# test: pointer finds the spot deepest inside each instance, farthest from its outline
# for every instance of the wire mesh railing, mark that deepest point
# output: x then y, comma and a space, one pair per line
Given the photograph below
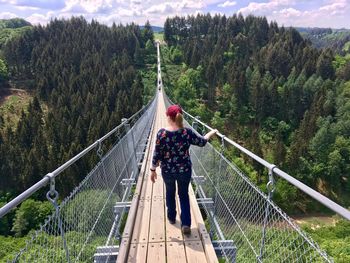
244, 223
258, 228
86, 219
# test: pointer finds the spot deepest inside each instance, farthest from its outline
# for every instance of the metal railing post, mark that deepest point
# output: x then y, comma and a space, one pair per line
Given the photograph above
127, 127
52, 196
270, 188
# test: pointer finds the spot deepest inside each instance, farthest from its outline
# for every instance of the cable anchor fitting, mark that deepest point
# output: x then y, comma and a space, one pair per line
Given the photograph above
99, 149
271, 187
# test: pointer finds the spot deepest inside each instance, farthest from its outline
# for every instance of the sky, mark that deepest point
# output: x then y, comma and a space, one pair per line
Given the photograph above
305, 13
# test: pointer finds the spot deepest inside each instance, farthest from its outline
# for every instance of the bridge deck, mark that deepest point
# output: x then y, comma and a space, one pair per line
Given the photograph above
148, 236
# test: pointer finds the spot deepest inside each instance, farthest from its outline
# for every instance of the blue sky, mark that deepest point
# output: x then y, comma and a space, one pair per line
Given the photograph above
313, 13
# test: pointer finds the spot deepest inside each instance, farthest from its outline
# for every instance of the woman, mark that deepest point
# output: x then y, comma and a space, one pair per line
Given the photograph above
172, 152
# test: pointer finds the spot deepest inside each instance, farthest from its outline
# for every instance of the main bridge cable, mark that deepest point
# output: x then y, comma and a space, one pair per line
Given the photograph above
47, 178
345, 213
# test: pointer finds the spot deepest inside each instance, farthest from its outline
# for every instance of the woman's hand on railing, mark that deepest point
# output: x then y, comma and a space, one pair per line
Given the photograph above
153, 176
210, 134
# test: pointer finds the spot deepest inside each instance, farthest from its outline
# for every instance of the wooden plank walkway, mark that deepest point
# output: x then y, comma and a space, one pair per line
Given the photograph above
148, 236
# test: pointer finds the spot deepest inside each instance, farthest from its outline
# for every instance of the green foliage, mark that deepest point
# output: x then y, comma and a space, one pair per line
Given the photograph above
9, 246
3, 71
13, 23
175, 55
217, 121
81, 90
269, 89
150, 51
10, 28
147, 33
333, 239
158, 36
6, 221
49, 245
335, 39
89, 204
187, 88
12, 107
324, 65
30, 215
346, 47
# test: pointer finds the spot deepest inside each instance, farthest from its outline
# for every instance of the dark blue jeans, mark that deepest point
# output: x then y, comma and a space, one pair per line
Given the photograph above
183, 181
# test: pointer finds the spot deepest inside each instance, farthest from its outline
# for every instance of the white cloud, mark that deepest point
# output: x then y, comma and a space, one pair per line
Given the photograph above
95, 6
265, 7
45, 4
227, 4
36, 18
333, 13
7, 15
335, 7
26, 8
164, 8
289, 12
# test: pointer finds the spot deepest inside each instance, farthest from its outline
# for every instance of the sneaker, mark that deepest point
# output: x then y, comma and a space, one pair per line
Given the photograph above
172, 221
186, 230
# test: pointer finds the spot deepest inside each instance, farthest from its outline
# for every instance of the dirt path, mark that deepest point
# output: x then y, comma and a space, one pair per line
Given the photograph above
6, 93
316, 221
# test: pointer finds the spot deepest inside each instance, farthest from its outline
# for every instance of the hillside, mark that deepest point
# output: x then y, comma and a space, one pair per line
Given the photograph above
86, 82
271, 90
337, 39
10, 28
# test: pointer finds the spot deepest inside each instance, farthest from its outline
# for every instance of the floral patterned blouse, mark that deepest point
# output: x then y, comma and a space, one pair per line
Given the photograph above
172, 149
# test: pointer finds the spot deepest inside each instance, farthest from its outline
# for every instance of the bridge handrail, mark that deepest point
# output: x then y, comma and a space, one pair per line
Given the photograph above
275, 170
48, 177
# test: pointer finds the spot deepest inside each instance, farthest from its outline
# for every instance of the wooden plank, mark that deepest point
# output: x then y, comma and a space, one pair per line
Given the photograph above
208, 248
157, 226
173, 231
137, 253
194, 236
157, 220
204, 236
158, 187
195, 252
129, 226
175, 252
140, 234
156, 253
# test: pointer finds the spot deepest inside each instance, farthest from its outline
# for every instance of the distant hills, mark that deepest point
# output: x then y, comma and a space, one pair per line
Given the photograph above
12, 27
336, 39
13, 23
156, 29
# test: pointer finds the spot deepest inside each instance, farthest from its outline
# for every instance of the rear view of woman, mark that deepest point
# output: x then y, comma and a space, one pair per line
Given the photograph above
172, 153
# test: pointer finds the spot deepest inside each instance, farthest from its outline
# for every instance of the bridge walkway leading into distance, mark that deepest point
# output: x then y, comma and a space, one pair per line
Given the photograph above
116, 214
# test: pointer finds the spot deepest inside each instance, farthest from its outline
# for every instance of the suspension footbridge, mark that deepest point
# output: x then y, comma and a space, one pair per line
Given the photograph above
116, 214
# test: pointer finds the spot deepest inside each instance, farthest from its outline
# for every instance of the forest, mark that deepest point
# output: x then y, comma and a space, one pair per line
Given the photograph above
262, 85
84, 78
337, 39
271, 90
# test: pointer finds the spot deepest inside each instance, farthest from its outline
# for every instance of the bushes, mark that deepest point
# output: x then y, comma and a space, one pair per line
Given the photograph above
334, 240
175, 55
30, 215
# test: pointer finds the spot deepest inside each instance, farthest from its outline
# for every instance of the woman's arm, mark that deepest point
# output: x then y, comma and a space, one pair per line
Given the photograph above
156, 157
200, 140
210, 134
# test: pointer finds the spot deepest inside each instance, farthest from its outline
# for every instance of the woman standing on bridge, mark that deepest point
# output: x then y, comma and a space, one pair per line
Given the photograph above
172, 152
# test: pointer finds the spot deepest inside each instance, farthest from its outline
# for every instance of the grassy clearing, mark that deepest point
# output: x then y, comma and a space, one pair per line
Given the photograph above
159, 36
12, 105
